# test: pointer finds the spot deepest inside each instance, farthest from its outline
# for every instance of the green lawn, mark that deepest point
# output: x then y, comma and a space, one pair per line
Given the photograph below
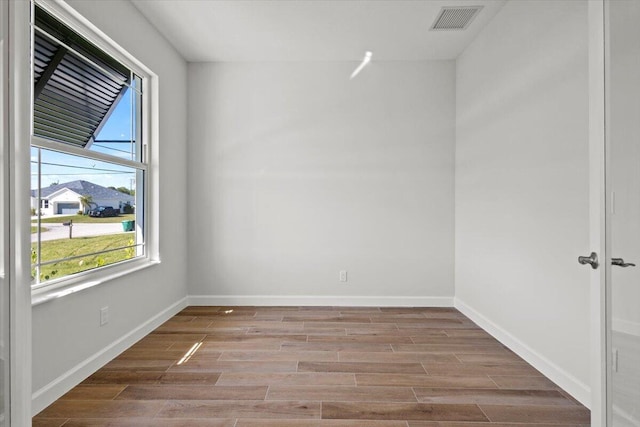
85, 219
56, 249
34, 228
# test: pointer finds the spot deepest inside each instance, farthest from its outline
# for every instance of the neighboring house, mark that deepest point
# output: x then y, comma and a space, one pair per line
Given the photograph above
65, 198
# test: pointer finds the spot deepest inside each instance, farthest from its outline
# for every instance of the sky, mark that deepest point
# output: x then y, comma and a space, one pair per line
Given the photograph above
61, 168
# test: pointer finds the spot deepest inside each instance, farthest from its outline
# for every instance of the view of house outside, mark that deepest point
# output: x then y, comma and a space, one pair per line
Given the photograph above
80, 217
71, 215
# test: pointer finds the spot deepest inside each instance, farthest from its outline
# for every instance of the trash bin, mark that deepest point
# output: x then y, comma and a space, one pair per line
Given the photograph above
128, 225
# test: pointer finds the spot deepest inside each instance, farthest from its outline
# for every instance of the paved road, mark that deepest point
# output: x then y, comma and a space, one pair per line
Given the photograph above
59, 231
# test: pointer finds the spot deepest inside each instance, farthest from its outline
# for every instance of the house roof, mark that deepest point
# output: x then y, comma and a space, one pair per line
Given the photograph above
85, 188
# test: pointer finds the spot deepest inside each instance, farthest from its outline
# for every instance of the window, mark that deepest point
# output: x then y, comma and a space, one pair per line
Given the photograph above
90, 152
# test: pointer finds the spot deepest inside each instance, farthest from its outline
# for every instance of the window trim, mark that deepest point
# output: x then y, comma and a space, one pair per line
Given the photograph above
88, 279
57, 288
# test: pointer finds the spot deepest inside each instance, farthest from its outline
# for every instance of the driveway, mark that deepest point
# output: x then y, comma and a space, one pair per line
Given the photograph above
59, 231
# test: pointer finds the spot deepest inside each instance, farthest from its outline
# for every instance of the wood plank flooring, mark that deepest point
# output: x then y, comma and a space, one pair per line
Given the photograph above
316, 367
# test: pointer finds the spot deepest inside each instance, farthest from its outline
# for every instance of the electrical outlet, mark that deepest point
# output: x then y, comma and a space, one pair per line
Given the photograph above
343, 275
104, 316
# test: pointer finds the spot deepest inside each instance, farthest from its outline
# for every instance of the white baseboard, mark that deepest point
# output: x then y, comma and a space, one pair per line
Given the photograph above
568, 382
334, 301
65, 382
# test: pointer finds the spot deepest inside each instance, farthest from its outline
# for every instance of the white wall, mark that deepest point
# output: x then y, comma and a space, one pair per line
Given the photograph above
522, 185
296, 172
66, 331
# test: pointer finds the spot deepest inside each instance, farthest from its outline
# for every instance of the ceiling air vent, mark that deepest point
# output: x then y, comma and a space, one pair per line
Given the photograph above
455, 18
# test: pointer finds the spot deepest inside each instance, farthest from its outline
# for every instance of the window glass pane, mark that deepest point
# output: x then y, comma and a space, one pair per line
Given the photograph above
118, 136
84, 214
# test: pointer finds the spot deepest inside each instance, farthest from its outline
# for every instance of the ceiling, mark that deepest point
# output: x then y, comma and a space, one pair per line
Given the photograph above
311, 30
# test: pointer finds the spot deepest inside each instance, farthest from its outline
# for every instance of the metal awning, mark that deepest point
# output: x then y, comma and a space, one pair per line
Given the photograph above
76, 85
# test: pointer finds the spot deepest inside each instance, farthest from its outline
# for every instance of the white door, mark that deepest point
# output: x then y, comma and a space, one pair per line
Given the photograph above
614, 143
622, 141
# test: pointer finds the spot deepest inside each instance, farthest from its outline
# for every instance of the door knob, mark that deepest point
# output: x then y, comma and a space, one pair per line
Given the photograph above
620, 263
592, 260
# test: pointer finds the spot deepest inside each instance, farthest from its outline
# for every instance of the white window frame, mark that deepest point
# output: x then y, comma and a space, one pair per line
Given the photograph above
5, 309
18, 212
57, 288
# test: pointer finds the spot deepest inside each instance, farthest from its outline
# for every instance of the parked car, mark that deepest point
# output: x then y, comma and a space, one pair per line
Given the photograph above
104, 211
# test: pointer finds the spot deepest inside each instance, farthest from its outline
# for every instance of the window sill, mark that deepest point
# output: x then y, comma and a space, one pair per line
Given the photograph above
73, 285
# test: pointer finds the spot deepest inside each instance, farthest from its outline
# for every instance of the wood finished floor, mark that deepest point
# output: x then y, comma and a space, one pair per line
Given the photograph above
316, 367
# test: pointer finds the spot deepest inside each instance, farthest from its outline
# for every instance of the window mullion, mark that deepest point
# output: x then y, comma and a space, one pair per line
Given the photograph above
39, 142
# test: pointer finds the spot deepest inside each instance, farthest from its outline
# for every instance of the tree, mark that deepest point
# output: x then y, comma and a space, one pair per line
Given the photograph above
124, 190
86, 202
